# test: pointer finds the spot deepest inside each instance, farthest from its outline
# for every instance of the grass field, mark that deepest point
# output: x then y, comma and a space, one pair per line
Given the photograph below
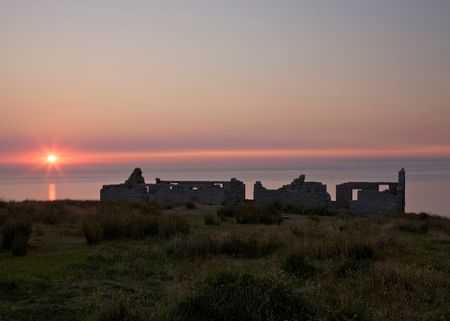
144, 266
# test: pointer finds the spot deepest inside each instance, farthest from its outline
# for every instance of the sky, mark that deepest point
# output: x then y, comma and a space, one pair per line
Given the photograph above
114, 79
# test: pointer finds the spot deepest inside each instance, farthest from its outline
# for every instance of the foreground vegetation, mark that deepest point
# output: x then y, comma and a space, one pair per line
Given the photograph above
73, 260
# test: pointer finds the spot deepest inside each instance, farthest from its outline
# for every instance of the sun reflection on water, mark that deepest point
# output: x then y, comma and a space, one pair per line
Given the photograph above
52, 192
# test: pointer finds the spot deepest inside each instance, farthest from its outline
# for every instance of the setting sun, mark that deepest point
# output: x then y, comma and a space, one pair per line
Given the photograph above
52, 159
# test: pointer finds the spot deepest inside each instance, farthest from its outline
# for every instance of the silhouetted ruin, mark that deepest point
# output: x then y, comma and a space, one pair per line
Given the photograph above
175, 192
370, 196
298, 193
355, 197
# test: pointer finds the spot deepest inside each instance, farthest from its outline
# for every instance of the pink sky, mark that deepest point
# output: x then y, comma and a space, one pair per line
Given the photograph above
146, 81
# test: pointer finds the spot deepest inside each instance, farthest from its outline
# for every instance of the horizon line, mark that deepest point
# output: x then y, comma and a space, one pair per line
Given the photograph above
74, 157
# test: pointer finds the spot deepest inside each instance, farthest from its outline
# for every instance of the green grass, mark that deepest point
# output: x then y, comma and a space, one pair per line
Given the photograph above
336, 267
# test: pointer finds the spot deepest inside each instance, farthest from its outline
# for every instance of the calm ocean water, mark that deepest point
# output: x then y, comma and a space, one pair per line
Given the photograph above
428, 181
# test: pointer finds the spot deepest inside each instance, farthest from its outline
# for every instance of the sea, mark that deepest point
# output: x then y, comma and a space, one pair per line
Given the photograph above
427, 180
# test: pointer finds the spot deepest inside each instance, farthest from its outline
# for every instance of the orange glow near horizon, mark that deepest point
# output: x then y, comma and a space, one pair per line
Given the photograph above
54, 160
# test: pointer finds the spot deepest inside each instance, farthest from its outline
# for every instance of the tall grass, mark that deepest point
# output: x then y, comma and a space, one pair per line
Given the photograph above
291, 209
236, 296
118, 309
16, 232
113, 224
298, 265
229, 244
210, 219
252, 214
173, 226
190, 205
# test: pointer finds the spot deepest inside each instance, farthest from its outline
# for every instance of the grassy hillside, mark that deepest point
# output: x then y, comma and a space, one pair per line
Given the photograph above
184, 263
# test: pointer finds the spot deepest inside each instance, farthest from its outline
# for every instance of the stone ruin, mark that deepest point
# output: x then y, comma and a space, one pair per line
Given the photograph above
298, 193
133, 190
356, 197
174, 192
371, 197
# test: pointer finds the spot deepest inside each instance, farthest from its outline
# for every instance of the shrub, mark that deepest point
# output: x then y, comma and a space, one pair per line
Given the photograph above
168, 206
19, 244
16, 233
117, 310
347, 246
235, 296
190, 205
360, 251
251, 214
174, 225
292, 209
92, 229
3, 215
296, 264
53, 214
227, 211
247, 214
414, 227
109, 224
230, 244
349, 312
438, 315
245, 245
209, 219
3, 204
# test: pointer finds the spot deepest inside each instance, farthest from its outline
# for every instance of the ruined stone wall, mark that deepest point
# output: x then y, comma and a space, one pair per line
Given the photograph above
183, 192
174, 192
376, 202
370, 198
207, 192
124, 193
298, 193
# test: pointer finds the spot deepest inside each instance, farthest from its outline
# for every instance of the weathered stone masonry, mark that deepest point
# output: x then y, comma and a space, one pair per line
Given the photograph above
370, 197
175, 192
298, 193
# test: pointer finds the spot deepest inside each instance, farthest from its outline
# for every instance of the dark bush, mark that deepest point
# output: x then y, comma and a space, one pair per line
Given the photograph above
347, 267
248, 214
349, 312
251, 214
227, 211
92, 229
117, 310
360, 251
237, 297
190, 206
16, 233
442, 314
297, 265
414, 227
292, 209
3, 215
174, 225
230, 244
54, 213
209, 219
109, 224
246, 245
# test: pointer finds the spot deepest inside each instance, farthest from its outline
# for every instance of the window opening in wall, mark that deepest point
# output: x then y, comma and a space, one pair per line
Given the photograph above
355, 194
